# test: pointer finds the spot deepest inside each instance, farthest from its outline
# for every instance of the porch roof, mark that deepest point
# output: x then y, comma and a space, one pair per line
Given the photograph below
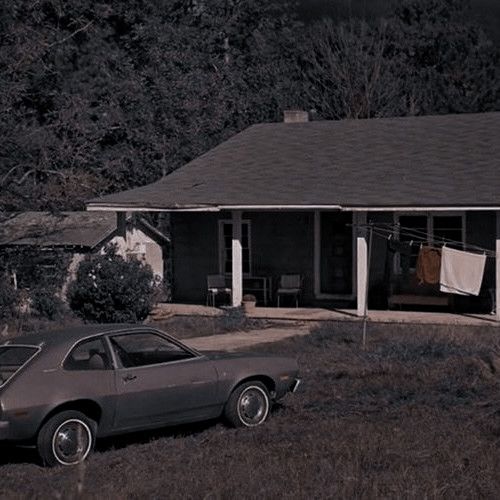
447, 161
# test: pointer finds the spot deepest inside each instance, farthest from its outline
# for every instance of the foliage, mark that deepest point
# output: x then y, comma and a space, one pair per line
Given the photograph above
9, 298
426, 58
109, 289
46, 302
101, 96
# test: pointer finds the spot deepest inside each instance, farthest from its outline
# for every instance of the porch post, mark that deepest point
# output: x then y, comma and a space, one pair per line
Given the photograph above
362, 264
237, 285
121, 224
497, 268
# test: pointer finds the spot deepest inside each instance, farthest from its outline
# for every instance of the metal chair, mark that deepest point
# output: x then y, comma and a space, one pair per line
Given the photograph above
290, 285
216, 285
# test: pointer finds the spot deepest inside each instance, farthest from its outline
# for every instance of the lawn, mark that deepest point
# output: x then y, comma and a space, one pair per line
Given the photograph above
415, 414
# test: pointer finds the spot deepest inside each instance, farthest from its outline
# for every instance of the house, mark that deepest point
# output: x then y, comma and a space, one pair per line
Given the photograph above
74, 235
323, 198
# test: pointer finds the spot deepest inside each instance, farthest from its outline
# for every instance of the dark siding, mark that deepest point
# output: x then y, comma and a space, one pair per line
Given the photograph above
194, 255
480, 231
281, 243
284, 243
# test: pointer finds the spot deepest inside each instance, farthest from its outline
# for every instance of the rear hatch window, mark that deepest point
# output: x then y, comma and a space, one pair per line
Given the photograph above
12, 359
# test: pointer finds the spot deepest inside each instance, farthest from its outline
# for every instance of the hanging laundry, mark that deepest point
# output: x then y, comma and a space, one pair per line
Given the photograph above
461, 272
429, 265
402, 248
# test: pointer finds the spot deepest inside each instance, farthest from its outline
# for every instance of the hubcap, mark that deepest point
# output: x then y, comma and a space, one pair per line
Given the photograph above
72, 442
253, 406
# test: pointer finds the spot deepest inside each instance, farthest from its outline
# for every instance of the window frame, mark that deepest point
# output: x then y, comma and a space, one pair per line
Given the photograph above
222, 248
118, 362
430, 227
106, 346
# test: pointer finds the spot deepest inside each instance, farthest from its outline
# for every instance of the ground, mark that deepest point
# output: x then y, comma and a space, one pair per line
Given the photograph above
416, 413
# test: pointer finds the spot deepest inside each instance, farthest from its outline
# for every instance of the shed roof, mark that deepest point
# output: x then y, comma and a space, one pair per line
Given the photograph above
72, 229
431, 161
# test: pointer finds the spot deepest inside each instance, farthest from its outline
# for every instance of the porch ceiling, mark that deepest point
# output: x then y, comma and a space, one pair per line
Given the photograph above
414, 162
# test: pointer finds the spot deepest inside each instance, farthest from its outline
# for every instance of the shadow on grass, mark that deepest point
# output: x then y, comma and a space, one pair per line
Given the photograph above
12, 454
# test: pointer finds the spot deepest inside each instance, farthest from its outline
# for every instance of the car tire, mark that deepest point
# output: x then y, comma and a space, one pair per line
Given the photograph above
248, 405
66, 438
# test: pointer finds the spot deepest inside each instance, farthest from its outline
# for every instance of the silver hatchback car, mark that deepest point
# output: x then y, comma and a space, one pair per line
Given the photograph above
60, 390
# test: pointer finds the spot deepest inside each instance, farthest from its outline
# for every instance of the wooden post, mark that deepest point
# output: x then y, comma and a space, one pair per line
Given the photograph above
121, 224
497, 269
362, 265
237, 285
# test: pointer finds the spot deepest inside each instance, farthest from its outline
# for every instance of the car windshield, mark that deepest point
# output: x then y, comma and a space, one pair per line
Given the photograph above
12, 358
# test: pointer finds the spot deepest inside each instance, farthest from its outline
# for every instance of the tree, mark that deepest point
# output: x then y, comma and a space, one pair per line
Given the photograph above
425, 59
99, 96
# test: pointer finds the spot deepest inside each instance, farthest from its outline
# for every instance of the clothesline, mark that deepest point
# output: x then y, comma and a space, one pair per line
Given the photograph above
418, 237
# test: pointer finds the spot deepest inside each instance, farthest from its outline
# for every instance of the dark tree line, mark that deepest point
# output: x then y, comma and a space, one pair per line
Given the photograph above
102, 95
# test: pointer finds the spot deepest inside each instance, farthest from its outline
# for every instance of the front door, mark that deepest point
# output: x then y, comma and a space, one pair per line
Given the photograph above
336, 253
160, 382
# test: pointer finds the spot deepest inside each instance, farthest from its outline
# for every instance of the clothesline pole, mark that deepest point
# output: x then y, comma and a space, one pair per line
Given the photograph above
497, 269
365, 315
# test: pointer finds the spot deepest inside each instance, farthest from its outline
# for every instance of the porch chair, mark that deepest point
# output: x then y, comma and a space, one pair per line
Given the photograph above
290, 285
216, 285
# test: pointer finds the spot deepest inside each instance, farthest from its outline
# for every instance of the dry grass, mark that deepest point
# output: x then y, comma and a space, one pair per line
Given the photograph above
414, 415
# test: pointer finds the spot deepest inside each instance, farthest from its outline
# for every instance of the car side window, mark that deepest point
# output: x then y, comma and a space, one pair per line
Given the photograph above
88, 355
143, 349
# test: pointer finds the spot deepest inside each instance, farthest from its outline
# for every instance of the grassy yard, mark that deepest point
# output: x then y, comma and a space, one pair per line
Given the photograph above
415, 414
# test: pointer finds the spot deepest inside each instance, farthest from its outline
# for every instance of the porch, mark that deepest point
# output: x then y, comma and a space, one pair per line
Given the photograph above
316, 314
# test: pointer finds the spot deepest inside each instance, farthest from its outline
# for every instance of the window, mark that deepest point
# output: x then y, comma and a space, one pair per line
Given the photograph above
142, 349
226, 247
88, 355
431, 229
12, 358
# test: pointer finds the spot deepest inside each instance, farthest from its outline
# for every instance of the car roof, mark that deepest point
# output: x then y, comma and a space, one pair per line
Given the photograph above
69, 335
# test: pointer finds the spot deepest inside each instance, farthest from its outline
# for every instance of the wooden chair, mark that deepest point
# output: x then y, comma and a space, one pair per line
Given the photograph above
290, 286
216, 285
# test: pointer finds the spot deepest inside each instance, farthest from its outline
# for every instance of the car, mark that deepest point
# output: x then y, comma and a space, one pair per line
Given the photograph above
61, 390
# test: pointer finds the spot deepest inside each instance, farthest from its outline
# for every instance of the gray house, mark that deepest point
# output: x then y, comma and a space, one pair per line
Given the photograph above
325, 200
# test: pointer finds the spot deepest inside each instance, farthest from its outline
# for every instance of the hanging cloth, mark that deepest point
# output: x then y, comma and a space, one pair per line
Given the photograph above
461, 272
429, 265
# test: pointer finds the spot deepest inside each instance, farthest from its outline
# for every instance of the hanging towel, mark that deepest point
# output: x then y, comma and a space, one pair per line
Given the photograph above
429, 265
461, 272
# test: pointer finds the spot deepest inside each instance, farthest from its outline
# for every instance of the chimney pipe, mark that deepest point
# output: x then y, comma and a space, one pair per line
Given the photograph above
295, 116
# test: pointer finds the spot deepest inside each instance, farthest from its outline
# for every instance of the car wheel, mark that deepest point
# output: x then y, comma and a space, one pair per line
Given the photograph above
248, 405
67, 438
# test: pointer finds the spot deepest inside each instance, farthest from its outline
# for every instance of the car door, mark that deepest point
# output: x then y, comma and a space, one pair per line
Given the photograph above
159, 381
88, 375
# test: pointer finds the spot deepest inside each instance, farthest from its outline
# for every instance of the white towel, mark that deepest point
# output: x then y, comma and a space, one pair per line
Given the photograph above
461, 272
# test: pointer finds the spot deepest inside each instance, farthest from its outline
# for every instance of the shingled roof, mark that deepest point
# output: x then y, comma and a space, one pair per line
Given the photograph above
65, 229
432, 161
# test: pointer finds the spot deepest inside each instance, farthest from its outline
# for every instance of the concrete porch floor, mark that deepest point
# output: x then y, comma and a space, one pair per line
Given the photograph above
165, 311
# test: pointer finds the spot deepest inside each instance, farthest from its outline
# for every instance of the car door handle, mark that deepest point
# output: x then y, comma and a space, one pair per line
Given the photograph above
128, 377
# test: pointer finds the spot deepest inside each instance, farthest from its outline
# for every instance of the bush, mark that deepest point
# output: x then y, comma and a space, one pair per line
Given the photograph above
109, 289
9, 298
46, 303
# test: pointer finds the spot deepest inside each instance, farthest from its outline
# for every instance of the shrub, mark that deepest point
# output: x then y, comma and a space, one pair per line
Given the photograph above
46, 303
109, 289
9, 298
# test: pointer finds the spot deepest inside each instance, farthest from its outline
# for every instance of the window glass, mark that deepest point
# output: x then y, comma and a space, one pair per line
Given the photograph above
142, 349
88, 355
413, 228
12, 358
448, 227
